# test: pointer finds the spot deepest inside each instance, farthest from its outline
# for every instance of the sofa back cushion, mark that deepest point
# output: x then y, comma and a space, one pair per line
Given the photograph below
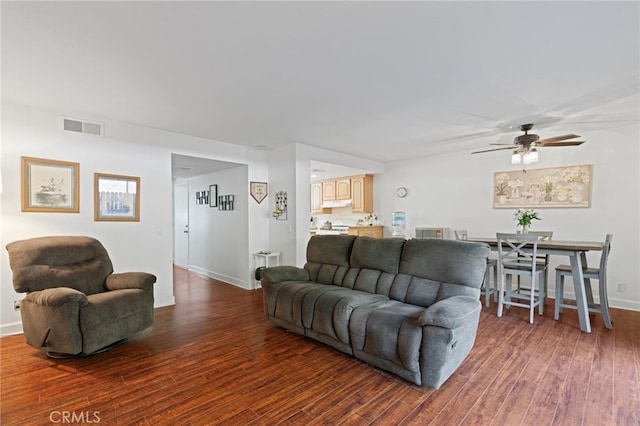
435, 269
328, 258
382, 254
77, 262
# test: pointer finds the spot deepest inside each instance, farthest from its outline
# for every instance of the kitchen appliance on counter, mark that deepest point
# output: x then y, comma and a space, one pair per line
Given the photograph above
333, 229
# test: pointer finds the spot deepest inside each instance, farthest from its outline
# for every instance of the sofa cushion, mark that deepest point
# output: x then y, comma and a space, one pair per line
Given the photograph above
329, 313
332, 249
381, 254
391, 332
446, 261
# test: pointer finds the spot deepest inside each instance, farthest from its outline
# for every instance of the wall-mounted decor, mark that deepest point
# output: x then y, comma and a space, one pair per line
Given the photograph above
202, 197
258, 191
280, 213
225, 202
555, 187
116, 198
50, 186
213, 195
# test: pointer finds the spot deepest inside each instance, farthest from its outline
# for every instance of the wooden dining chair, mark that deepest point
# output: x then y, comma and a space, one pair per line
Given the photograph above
517, 255
489, 286
599, 274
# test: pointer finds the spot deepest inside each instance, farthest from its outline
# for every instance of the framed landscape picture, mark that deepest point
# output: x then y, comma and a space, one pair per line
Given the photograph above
554, 187
50, 186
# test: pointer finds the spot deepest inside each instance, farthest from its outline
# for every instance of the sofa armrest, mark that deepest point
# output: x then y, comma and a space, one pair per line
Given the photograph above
140, 280
57, 296
452, 312
277, 274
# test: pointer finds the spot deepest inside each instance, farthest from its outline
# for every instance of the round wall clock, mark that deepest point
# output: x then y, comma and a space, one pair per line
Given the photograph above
401, 192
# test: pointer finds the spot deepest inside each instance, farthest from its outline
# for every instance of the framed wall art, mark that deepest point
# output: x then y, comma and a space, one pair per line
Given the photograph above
50, 186
555, 187
258, 191
116, 198
213, 195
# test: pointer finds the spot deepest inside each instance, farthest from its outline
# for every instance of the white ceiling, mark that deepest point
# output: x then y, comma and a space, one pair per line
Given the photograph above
382, 80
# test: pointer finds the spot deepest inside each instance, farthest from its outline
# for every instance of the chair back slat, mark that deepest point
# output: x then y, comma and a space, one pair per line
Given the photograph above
461, 234
517, 250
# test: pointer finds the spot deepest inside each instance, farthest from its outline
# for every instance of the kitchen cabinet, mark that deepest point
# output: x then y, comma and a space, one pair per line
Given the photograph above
316, 199
366, 231
343, 189
357, 189
329, 190
362, 193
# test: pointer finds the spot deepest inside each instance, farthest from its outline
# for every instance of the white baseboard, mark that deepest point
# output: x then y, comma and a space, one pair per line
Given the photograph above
11, 329
613, 302
221, 277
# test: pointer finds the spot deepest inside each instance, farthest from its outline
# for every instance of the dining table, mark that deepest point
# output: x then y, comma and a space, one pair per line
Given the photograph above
576, 250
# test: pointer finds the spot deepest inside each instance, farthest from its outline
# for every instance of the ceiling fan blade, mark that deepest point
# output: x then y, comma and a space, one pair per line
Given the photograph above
568, 143
556, 139
496, 149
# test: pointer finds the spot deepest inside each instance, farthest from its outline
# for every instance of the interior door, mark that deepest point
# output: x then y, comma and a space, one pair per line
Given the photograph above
181, 225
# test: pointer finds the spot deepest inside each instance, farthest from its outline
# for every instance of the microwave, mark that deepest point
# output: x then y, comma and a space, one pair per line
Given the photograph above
441, 233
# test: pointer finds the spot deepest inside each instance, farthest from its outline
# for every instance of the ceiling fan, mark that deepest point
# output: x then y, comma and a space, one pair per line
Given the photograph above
525, 147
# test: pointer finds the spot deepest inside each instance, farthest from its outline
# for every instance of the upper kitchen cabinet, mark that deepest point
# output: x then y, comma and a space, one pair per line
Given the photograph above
329, 190
343, 189
316, 199
362, 193
354, 191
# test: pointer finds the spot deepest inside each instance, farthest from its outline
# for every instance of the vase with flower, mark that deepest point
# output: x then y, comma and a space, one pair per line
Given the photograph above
524, 218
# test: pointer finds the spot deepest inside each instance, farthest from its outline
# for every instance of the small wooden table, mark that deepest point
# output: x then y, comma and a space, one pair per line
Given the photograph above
576, 250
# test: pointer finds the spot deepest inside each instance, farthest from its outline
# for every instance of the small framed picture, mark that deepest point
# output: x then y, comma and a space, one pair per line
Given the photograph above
258, 191
50, 186
116, 198
213, 195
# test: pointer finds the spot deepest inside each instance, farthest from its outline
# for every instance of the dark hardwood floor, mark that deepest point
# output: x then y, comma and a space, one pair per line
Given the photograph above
214, 359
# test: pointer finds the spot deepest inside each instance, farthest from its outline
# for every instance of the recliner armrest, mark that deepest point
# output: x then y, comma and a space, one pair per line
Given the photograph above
57, 296
139, 280
451, 312
277, 274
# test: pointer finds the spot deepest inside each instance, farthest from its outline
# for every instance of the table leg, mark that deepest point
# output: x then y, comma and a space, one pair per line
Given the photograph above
579, 286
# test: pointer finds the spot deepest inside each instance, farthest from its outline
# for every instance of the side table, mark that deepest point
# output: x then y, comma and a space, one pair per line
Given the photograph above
266, 259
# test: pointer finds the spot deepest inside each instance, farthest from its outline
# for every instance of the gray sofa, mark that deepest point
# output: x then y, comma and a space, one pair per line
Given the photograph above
410, 307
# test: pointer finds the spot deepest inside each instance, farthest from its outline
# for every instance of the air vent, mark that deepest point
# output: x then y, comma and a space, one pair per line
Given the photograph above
82, 126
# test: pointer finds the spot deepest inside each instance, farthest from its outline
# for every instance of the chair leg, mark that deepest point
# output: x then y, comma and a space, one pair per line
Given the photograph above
495, 283
501, 295
532, 297
559, 295
487, 286
541, 295
604, 303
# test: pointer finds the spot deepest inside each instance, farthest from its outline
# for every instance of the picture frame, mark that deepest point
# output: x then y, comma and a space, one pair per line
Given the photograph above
553, 187
50, 186
116, 198
213, 195
259, 191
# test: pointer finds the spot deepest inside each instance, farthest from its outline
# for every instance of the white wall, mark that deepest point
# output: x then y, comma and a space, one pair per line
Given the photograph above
218, 239
456, 190
128, 150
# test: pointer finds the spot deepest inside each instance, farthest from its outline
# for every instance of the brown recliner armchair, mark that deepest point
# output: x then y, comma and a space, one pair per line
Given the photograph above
75, 305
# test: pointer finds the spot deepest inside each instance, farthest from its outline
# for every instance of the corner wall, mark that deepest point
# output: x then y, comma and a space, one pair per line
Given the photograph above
127, 150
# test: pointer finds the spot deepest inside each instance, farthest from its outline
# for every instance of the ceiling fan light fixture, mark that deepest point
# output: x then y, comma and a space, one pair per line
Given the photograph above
530, 156
516, 157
